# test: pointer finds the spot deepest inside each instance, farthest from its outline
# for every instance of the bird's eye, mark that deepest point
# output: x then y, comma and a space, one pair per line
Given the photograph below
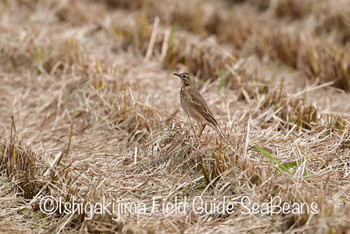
183, 76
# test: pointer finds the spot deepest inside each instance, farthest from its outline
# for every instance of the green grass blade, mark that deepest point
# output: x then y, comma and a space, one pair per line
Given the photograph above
222, 80
273, 159
290, 164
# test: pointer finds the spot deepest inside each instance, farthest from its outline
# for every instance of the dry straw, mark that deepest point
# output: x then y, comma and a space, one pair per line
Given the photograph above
89, 110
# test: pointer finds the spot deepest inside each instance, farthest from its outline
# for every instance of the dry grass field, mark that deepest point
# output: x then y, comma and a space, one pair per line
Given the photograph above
93, 138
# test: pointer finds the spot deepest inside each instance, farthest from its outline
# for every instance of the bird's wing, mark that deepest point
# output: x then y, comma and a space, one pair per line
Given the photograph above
197, 102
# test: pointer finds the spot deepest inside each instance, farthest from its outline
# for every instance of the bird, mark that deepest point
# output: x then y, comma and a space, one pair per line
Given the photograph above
194, 104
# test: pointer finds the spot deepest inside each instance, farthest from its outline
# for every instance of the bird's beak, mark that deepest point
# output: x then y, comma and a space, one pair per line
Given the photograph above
177, 74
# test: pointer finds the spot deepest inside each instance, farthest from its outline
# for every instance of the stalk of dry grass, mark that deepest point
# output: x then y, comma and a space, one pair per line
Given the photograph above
289, 48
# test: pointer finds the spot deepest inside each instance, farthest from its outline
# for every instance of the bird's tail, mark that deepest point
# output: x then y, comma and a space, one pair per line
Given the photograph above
218, 129
221, 132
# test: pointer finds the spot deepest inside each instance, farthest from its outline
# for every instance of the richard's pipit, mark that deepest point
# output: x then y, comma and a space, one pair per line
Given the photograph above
194, 105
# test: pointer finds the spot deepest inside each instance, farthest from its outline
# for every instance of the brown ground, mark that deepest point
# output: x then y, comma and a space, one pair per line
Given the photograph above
90, 108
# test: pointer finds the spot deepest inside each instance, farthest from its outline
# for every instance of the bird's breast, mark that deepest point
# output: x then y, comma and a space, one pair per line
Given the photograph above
182, 95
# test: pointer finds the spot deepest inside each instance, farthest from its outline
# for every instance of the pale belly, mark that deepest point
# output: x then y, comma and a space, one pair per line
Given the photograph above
193, 113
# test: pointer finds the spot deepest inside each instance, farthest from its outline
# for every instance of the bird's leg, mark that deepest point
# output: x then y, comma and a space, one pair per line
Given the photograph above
200, 133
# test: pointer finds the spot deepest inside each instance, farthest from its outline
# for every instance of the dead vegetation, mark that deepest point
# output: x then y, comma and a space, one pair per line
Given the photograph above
90, 111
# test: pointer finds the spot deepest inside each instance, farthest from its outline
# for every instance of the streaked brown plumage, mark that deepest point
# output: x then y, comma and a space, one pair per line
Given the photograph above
194, 105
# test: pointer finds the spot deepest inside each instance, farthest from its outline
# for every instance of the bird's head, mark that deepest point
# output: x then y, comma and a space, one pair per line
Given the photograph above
187, 78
